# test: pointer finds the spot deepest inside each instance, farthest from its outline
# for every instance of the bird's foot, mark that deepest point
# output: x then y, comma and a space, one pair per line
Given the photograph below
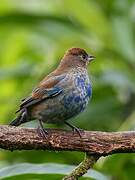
42, 132
75, 129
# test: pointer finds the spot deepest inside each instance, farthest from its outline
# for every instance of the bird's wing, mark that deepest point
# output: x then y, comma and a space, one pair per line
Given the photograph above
48, 88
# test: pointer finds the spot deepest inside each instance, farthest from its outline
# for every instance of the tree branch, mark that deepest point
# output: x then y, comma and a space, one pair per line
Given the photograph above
94, 142
83, 167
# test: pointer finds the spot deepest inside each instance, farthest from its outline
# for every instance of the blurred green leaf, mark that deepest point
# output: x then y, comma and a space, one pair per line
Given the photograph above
27, 168
124, 38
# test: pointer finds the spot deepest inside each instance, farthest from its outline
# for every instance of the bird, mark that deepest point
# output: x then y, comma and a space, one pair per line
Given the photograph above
61, 95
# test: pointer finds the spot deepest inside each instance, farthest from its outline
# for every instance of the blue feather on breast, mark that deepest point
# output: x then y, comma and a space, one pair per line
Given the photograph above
89, 90
76, 101
84, 85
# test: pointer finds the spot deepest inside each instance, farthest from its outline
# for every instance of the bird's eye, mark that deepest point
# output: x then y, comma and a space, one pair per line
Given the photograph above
84, 56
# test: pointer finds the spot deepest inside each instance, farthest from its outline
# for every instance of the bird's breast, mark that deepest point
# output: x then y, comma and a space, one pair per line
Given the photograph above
77, 99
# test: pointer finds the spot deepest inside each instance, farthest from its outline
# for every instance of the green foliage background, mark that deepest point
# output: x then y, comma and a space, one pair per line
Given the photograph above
34, 35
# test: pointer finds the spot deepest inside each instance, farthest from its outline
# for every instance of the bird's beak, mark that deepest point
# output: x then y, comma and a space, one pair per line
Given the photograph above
91, 58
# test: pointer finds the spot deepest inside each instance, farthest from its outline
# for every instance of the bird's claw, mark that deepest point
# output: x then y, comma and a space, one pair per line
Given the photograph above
42, 132
77, 130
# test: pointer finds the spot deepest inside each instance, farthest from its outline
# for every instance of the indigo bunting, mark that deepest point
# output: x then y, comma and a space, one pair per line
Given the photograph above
61, 95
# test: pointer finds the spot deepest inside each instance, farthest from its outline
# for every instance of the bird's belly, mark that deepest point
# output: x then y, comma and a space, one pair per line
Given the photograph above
76, 101
50, 110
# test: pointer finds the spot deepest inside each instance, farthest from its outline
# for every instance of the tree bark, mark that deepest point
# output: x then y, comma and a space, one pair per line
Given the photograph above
93, 142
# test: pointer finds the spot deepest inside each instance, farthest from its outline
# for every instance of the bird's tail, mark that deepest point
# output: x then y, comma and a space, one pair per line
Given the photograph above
22, 118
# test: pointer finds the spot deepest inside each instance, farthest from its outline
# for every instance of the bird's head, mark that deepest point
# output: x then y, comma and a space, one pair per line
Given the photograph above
75, 57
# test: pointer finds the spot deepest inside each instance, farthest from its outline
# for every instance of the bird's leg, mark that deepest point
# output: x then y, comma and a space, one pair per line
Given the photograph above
75, 129
41, 131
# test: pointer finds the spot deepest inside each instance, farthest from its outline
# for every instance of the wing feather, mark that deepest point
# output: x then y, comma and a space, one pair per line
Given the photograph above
46, 89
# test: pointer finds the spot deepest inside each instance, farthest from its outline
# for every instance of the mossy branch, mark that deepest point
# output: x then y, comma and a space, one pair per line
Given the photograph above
83, 167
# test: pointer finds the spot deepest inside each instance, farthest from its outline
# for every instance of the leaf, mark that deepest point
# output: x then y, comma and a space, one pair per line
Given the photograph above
124, 37
48, 168
90, 15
